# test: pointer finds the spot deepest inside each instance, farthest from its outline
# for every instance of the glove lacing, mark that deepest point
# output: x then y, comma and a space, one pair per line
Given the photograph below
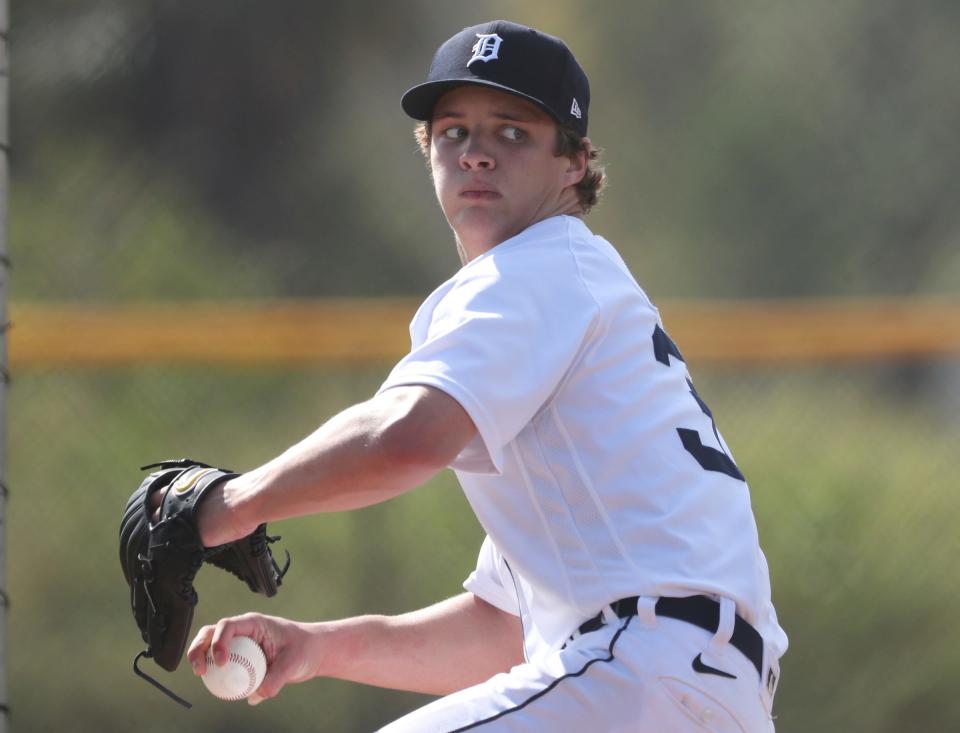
146, 653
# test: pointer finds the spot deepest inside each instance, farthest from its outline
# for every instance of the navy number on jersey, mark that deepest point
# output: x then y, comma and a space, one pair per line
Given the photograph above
709, 458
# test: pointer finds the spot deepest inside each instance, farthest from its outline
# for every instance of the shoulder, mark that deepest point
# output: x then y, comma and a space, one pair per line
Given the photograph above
563, 253
541, 260
533, 278
552, 269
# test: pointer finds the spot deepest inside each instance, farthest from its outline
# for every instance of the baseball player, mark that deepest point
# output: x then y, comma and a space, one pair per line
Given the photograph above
621, 586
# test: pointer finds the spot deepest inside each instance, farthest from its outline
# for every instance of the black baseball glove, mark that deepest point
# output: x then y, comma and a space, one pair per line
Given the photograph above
161, 559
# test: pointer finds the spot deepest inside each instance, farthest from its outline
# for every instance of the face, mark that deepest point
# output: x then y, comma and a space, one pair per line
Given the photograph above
494, 166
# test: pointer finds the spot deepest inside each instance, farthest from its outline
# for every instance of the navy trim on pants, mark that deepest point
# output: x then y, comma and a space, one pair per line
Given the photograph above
552, 685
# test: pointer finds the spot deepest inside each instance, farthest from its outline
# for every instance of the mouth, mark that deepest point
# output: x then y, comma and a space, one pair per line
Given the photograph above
479, 192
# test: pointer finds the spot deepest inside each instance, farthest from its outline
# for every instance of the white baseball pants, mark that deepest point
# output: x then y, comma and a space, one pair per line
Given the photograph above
633, 675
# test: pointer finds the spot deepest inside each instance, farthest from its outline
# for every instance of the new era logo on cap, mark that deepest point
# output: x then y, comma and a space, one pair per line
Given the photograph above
512, 58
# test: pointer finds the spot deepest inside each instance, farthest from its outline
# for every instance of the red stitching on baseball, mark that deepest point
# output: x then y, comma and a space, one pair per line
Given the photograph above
251, 673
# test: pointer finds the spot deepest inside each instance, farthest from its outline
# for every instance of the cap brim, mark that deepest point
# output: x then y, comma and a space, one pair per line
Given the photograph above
418, 102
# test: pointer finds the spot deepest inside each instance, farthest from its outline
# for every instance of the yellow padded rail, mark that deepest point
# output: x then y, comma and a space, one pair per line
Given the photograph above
360, 331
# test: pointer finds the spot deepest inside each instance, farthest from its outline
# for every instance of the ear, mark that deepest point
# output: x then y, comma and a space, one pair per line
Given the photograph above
577, 163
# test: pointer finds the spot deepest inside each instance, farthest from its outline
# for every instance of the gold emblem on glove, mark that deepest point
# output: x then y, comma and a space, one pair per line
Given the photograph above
185, 484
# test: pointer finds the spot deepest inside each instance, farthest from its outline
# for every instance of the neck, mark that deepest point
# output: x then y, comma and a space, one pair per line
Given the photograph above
462, 250
472, 244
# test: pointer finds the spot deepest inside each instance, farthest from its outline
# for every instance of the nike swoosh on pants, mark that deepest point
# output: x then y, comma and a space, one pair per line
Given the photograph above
699, 666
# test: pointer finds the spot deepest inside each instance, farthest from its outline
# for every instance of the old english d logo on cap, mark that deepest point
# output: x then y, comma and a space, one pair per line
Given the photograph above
511, 58
486, 48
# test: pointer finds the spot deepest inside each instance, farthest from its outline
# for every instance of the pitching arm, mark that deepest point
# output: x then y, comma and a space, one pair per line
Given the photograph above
454, 644
451, 645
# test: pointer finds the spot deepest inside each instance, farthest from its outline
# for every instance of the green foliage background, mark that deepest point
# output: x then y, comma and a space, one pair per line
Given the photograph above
169, 149
853, 495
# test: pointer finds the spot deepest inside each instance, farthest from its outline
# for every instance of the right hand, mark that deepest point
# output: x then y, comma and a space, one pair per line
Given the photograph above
286, 645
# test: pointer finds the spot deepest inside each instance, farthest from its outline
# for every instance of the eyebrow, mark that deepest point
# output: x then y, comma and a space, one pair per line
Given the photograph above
508, 116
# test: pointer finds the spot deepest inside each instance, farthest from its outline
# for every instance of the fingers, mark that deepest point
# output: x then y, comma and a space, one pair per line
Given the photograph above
197, 653
278, 674
216, 639
155, 502
223, 632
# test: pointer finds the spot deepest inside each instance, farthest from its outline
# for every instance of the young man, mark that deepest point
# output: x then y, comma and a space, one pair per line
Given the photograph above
621, 586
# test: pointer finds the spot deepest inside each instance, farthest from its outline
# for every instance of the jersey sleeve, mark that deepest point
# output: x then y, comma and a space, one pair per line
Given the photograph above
500, 342
490, 580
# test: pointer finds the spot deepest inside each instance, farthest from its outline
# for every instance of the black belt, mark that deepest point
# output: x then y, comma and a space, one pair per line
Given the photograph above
697, 610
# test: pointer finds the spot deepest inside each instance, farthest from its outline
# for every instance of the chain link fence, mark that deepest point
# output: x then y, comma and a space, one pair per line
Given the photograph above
852, 481
170, 151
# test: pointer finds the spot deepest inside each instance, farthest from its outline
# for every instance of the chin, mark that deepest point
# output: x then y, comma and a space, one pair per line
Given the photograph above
479, 223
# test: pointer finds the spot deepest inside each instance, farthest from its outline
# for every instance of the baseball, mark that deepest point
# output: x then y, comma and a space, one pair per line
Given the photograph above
241, 675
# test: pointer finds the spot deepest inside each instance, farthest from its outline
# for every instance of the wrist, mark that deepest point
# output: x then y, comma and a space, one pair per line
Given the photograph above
339, 649
226, 514
322, 639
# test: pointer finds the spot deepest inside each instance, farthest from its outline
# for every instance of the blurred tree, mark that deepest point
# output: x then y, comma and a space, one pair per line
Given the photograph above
754, 149
787, 149
243, 104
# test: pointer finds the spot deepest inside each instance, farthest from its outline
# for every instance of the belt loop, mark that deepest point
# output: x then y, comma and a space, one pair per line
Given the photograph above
728, 615
769, 678
609, 615
647, 611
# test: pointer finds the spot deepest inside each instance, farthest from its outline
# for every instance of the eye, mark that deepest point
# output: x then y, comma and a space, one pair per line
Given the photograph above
514, 134
455, 132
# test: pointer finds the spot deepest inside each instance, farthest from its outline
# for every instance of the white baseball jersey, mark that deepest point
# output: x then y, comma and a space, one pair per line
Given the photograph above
597, 471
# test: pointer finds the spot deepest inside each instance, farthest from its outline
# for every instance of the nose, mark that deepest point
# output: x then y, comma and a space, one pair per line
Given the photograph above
475, 156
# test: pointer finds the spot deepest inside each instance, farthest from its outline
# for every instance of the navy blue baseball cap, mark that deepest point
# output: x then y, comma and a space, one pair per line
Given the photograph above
512, 58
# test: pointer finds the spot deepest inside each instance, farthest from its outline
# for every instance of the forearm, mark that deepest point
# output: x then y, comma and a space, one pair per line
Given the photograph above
437, 650
367, 454
347, 463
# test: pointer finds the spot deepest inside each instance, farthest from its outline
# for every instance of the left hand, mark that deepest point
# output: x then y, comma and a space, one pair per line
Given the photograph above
216, 523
